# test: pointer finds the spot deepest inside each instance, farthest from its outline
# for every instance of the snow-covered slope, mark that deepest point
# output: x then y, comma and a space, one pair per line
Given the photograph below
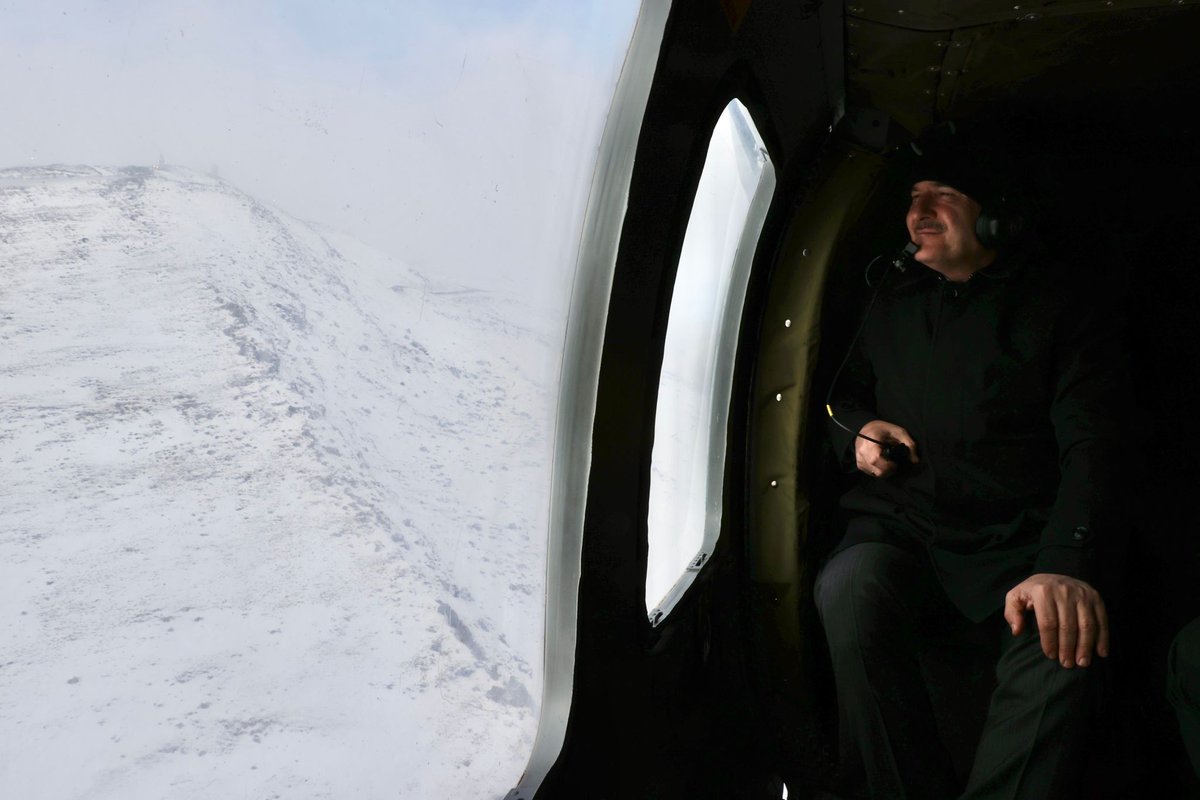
272, 504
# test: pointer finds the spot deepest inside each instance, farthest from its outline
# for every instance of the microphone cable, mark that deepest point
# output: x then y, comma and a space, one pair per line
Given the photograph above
892, 451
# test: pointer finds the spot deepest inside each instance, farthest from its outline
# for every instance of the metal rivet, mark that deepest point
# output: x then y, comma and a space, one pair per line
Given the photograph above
1016, 8
929, 91
933, 68
787, 323
804, 252
778, 398
951, 72
899, 10
774, 483
941, 43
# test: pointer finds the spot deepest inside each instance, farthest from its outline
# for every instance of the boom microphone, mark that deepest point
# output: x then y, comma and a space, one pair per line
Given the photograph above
905, 256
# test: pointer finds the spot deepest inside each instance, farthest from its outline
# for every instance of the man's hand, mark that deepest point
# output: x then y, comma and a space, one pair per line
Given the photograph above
868, 456
1070, 617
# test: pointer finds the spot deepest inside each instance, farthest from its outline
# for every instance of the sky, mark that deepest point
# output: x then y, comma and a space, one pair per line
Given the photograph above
456, 135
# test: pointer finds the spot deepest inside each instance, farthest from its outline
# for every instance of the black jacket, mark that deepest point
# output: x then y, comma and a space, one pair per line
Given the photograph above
1010, 385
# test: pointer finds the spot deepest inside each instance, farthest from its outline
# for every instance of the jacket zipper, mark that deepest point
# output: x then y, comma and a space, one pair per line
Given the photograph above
935, 328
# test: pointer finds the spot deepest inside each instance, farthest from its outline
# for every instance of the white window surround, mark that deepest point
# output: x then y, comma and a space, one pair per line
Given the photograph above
696, 381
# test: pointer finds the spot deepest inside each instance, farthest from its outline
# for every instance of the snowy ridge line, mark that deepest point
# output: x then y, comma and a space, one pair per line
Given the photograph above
260, 519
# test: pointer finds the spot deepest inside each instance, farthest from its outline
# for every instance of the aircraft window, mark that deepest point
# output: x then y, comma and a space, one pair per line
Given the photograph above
688, 458
283, 294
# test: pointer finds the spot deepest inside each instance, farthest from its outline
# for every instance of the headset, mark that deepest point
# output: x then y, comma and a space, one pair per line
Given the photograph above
1000, 225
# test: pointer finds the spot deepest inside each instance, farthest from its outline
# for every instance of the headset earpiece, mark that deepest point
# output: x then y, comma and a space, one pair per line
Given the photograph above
998, 226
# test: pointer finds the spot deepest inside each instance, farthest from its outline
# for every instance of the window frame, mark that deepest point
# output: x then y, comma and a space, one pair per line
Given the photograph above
583, 346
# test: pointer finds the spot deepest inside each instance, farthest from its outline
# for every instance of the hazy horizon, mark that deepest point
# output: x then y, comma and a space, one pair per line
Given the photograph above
457, 136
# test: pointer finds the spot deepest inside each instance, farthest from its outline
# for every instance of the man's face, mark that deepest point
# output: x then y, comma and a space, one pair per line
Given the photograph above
941, 220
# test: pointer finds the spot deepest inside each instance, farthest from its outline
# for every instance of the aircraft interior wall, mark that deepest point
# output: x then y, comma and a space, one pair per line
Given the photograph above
732, 691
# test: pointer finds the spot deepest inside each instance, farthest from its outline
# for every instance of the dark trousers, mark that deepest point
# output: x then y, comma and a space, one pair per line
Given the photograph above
883, 610
1183, 687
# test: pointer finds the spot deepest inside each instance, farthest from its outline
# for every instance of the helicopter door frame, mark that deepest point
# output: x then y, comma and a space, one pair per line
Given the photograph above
579, 384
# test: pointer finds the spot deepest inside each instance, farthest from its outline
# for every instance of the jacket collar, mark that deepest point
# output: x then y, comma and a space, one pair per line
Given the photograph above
1004, 267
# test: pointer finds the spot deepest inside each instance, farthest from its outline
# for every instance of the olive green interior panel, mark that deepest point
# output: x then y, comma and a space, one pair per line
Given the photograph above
930, 60
789, 344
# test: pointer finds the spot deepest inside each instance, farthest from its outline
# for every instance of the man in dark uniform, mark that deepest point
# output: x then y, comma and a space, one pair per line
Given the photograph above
998, 372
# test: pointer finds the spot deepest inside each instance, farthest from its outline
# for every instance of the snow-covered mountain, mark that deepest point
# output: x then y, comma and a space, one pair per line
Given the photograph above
272, 518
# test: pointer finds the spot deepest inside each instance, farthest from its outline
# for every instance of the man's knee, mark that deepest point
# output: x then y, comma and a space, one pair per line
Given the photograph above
862, 590
1183, 687
1183, 668
1032, 680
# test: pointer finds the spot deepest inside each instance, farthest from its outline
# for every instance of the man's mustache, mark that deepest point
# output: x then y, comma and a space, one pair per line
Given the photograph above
930, 225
